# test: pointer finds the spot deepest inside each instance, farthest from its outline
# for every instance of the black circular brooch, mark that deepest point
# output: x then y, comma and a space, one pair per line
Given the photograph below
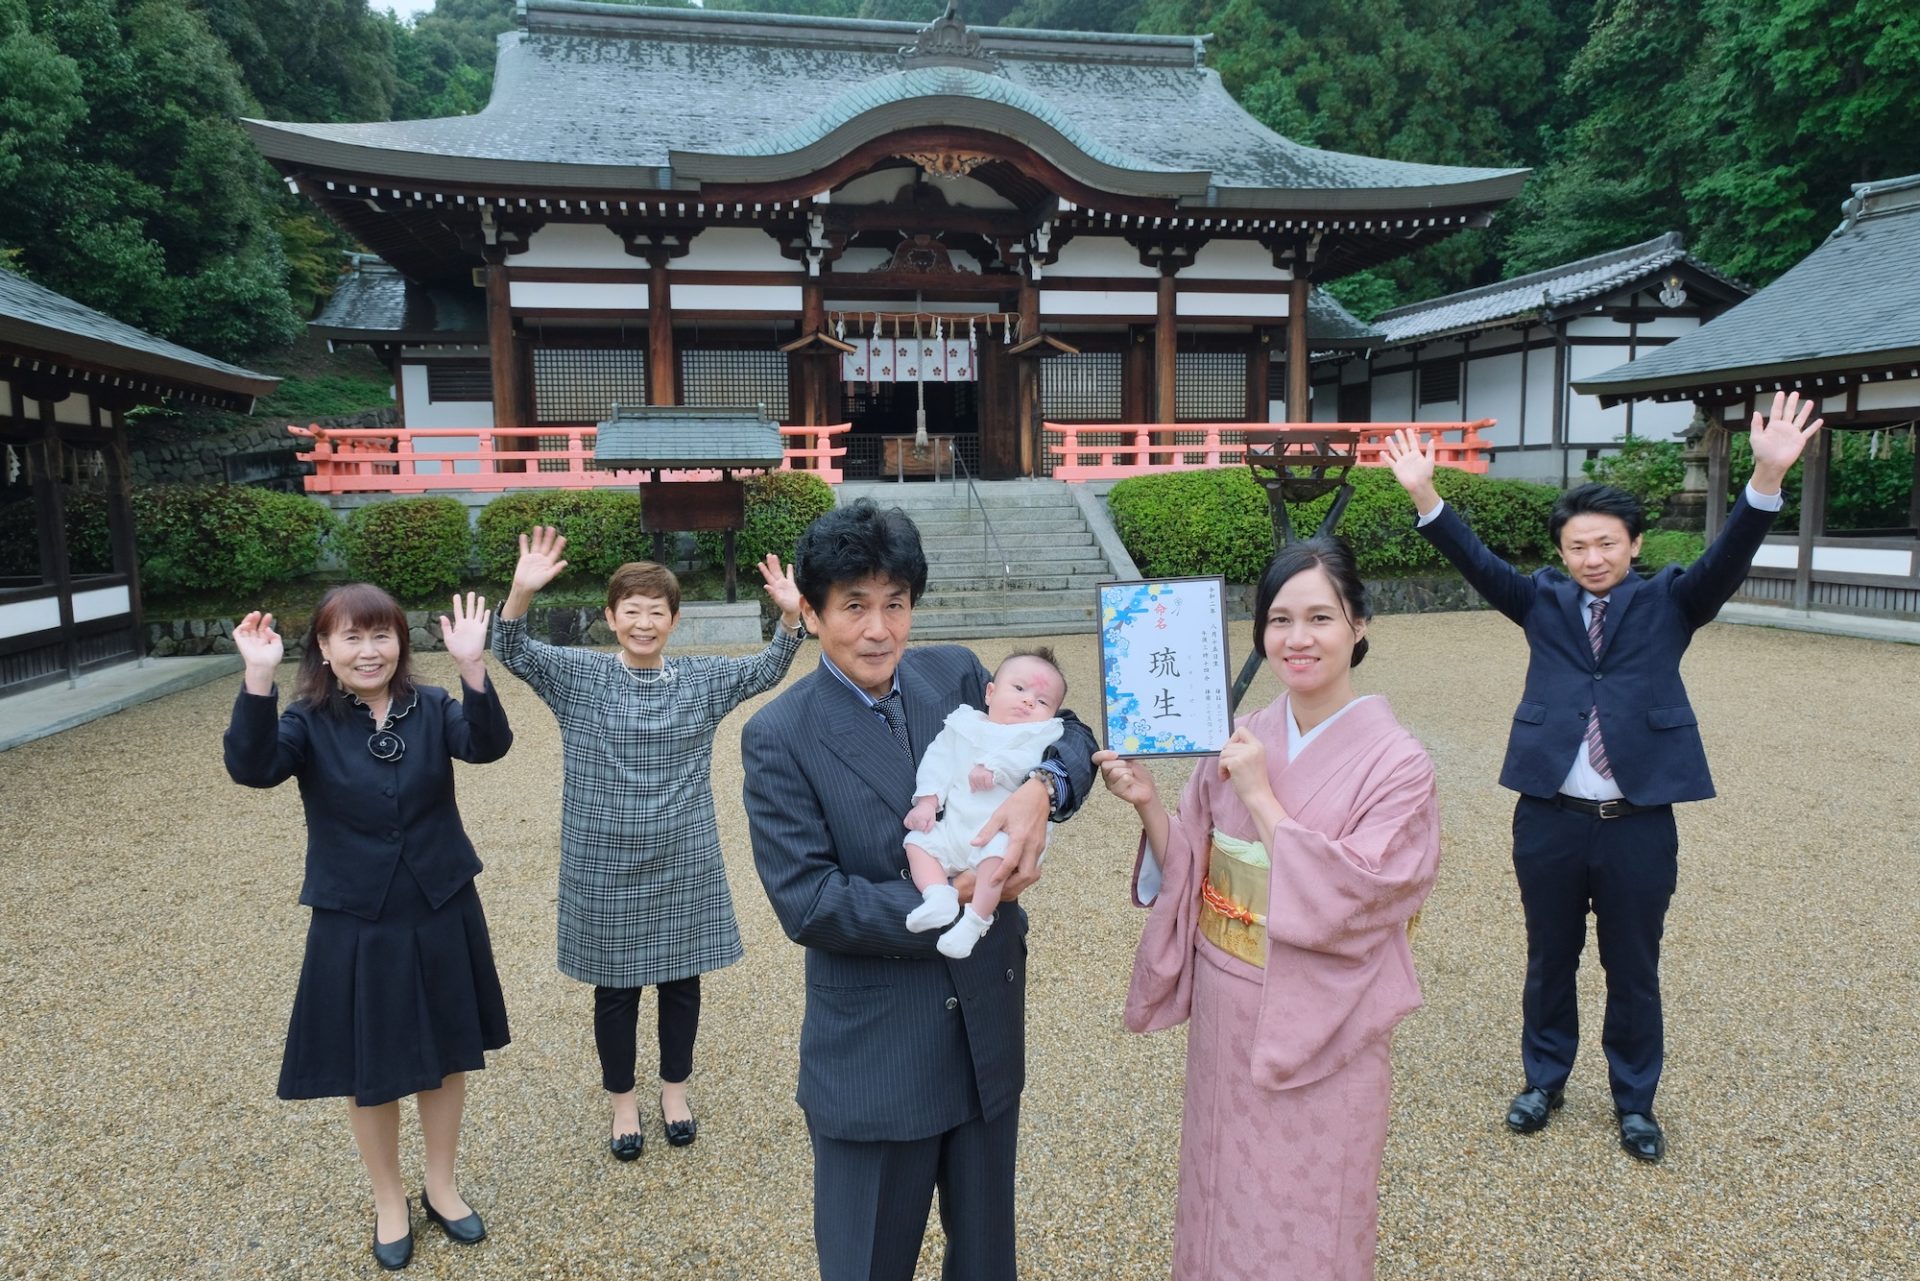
386, 745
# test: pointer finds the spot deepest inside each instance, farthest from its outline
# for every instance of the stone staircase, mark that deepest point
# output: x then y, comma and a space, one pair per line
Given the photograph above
1038, 581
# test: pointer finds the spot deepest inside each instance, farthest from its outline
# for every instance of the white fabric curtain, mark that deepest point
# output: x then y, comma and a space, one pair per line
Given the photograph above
906, 360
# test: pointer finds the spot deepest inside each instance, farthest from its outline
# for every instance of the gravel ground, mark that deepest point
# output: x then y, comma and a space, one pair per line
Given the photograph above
150, 939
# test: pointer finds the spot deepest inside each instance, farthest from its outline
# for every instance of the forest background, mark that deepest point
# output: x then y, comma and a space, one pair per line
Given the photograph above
127, 183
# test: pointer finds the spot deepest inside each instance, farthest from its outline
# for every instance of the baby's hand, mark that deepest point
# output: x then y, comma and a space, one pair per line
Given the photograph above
920, 817
980, 778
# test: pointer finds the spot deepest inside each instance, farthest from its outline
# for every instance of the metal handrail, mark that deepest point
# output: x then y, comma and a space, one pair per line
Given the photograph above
992, 541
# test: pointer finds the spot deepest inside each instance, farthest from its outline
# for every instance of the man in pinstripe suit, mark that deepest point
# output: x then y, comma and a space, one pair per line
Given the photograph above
911, 1065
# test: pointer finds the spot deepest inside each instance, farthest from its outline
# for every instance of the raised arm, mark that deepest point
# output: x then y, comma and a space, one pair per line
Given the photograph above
745, 677
548, 668
1504, 587
476, 727
261, 748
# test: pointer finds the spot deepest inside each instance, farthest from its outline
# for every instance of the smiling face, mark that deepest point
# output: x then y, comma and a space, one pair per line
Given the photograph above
1024, 689
1309, 640
1597, 551
863, 629
362, 657
640, 627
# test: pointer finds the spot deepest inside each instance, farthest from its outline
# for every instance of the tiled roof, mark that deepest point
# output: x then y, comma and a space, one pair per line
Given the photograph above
374, 301
682, 436
596, 96
1541, 295
38, 319
1853, 304
1331, 325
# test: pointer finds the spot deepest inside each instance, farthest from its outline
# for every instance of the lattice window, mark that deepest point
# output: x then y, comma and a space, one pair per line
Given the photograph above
728, 376
1210, 387
1440, 382
582, 384
459, 380
1083, 388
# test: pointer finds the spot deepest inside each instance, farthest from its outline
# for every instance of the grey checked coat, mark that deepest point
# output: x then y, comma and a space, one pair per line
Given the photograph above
643, 891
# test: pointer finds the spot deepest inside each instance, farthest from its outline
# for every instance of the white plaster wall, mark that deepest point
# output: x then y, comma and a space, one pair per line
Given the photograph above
1541, 395
1839, 560
575, 244
1494, 391
1392, 397
1100, 302
101, 602
736, 297
1271, 305
1656, 420
1668, 327
874, 188
22, 618
1234, 260
425, 412
6, 396
1587, 423
734, 249
75, 410
1597, 327
1101, 256
855, 261
1901, 393
540, 294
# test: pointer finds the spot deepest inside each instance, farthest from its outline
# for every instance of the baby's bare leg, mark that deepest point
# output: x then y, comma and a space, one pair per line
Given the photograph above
986, 887
925, 868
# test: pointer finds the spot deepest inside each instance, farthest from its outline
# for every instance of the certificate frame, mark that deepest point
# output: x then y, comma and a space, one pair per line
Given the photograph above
1190, 615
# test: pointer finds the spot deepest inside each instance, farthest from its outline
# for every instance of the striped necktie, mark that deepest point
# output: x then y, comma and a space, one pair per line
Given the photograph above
893, 707
1596, 750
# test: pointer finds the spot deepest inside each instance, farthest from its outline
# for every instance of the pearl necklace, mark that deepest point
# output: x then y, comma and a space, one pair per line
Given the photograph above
662, 676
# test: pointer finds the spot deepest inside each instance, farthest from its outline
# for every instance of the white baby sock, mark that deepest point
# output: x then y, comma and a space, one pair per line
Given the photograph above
938, 907
958, 942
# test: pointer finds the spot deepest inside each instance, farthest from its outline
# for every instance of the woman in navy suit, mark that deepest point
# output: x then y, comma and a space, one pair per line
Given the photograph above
397, 993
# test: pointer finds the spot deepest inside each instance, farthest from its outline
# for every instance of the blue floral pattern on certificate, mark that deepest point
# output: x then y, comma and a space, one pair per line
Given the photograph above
1163, 667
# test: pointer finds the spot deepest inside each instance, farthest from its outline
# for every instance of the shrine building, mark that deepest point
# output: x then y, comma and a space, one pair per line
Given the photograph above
852, 221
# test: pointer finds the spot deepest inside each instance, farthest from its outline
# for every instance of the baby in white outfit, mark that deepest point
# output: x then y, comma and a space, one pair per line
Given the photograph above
976, 763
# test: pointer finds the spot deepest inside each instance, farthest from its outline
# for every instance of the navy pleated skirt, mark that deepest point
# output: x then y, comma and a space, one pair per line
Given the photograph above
388, 1008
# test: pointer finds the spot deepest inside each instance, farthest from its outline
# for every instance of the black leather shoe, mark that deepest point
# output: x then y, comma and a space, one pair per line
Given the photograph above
679, 1133
626, 1147
392, 1255
1532, 1108
466, 1231
1641, 1136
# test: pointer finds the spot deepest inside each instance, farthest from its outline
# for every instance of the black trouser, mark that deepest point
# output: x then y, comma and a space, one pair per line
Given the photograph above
616, 1024
1623, 871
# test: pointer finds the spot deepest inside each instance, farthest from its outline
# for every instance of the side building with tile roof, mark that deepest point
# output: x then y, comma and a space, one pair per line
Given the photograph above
672, 206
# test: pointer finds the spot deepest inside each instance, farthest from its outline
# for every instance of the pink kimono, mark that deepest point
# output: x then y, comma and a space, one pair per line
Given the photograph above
1288, 1074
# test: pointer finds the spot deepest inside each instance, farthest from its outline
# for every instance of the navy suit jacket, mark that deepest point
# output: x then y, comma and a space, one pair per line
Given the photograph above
1652, 739
898, 1042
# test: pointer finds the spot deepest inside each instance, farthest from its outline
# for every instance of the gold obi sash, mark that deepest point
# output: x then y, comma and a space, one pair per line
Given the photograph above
1233, 898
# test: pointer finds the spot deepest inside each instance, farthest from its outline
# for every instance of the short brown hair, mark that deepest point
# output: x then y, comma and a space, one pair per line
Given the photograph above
644, 578
1044, 653
352, 605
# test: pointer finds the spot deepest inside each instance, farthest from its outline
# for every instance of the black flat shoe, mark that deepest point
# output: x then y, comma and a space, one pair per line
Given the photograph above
681, 1133
627, 1147
1532, 1108
466, 1231
1641, 1137
392, 1255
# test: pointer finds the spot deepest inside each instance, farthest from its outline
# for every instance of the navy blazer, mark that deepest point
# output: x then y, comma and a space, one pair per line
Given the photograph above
898, 1042
1653, 742
364, 814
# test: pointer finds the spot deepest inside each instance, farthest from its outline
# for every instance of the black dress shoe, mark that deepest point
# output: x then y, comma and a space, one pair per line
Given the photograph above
392, 1255
626, 1147
679, 1133
1532, 1108
466, 1231
1641, 1136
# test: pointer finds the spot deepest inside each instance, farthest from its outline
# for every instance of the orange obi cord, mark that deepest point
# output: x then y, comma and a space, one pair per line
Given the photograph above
1225, 906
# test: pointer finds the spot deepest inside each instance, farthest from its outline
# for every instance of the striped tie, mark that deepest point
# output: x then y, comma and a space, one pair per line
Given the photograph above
1596, 750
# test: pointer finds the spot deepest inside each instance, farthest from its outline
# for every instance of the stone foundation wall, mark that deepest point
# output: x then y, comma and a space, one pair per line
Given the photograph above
180, 458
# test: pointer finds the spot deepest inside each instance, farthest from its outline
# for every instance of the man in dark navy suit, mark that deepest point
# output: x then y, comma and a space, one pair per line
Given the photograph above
1604, 743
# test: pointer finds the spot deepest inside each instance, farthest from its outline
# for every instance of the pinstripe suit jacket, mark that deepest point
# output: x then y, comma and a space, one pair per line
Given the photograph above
898, 1042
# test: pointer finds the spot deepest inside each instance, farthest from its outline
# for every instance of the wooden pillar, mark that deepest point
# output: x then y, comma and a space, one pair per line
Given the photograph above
1719, 462
502, 358
663, 356
1166, 362
1027, 388
1259, 357
1299, 406
1560, 401
1136, 377
126, 555
50, 508
814, 367
1813, 514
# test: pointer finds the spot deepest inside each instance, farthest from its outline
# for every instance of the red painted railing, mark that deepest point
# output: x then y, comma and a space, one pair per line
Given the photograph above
393, 459
1202, 445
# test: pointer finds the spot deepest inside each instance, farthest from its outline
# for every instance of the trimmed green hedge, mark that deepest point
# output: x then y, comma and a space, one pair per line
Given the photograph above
1217, 521
780, 506
1662, 547
602, 528
413, 547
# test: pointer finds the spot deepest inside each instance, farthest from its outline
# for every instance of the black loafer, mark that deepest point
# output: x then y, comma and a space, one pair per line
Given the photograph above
1532, 1108
392, 1255
1641, 1136
626, 1147
681, 1133
466, 1231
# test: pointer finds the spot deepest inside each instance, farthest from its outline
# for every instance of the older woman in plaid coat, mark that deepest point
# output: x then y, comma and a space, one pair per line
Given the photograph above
643, 891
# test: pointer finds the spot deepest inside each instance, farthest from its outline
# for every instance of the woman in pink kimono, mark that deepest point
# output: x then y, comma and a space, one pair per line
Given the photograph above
1281, 894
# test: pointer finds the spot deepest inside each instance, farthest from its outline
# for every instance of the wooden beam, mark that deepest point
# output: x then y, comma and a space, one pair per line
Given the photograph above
1259, 359
1299, 369
663, 357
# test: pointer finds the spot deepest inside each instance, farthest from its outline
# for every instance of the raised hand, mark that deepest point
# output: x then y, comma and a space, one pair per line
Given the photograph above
1779, 438
465, 634
1413, 466
258, 644
540, 559
781, 588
